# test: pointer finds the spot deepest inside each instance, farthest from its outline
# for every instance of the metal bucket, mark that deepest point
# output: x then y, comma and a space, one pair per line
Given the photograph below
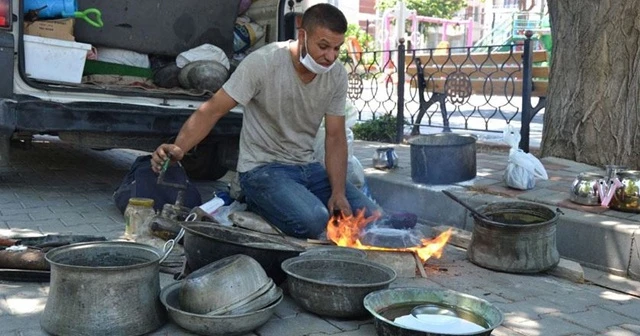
519, 238
443, 158
104, 288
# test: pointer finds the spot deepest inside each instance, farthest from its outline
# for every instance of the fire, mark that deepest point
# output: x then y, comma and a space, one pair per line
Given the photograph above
345, 231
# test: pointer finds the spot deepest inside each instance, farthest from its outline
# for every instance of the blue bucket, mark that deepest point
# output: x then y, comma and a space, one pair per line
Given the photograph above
53, 9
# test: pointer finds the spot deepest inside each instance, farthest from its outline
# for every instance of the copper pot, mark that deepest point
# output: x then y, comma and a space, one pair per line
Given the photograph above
104, 288
627, 197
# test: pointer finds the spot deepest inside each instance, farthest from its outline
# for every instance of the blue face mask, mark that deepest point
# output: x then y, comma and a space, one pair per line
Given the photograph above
310, 63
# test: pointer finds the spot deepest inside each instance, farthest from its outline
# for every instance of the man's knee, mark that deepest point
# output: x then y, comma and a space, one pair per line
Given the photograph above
311, 223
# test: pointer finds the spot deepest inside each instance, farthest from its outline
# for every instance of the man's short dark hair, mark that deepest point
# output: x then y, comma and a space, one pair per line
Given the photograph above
324, 15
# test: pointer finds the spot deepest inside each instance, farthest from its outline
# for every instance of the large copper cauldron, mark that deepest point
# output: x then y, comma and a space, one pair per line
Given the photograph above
104, 288
518, 237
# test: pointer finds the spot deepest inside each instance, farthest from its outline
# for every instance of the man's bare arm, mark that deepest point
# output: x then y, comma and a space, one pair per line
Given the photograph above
196, 128
336, 162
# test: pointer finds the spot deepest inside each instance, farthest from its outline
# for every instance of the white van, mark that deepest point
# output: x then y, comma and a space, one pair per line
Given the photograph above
104, 116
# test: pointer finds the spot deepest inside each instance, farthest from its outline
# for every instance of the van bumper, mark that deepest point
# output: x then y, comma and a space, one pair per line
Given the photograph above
38, 116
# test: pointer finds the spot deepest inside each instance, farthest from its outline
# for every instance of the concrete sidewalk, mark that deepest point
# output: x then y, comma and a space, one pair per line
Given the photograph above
55, 187
595, 236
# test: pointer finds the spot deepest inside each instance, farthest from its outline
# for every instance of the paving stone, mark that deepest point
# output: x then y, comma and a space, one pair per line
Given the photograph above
548, 326
597, 318
23, 289
619, 214
48, 199
349, 325
13, 204
502, 331
172, 329
32, 332
16, 211
47, 214
531, 309
8, 200
79, 219
83, 208
109, 233
415, 282
544, 196
508, 288
287, 308
623, 330
20, 322
581, 302
4, 306
569, 270
34, 225
630, 309
363, 330
63, 229
632, 327
301, 324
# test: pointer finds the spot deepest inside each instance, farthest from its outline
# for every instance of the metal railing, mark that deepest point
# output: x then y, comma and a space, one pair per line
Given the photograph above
377, 88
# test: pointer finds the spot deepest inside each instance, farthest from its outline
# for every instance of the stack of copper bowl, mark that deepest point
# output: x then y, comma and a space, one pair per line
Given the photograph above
229, 296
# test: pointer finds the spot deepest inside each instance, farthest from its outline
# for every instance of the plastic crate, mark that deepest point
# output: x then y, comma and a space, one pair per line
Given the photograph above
54, 60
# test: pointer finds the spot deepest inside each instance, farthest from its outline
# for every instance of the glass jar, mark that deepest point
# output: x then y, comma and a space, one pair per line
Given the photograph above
136, 215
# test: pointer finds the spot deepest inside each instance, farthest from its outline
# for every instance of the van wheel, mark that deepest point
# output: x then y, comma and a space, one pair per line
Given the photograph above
203, 163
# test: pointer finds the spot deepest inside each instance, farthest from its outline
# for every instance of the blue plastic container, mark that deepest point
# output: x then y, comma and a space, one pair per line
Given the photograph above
53, 9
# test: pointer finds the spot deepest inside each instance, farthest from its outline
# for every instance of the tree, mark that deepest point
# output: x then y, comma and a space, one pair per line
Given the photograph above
593, 106
444, 9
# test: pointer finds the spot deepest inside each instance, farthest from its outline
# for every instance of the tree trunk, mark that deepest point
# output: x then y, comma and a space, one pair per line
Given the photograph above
592, 112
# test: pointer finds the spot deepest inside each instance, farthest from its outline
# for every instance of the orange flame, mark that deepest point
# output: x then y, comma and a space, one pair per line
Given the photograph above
345, 231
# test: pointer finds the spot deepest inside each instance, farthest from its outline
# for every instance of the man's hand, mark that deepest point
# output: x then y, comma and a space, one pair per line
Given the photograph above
339, 202
164, 152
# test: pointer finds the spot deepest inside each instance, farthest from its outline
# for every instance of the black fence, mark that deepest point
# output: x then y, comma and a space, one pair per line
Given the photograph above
472, 88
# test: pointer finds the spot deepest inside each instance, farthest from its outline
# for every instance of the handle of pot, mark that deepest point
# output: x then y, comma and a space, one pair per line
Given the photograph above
168, 246
391, 162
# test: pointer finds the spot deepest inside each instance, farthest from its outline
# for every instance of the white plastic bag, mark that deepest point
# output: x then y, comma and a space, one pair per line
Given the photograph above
204, 52
355, 171
222, 214
523, 168
124, 57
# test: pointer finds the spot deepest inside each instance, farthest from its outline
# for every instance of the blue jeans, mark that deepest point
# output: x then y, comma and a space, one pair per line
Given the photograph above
294, 197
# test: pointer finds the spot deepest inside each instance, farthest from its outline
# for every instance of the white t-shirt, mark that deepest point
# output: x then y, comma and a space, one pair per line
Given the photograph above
281, 113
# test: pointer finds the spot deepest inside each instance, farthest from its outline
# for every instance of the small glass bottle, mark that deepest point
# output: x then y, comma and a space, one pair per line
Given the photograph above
136, 214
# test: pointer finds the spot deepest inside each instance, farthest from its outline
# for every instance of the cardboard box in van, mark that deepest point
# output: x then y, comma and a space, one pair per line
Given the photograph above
56, 29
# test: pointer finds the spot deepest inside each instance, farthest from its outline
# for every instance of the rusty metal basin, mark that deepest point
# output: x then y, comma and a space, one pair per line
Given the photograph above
335, 287
520, 237
388, 304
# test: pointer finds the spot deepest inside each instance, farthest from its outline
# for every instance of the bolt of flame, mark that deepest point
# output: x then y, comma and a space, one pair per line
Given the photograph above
345, 231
